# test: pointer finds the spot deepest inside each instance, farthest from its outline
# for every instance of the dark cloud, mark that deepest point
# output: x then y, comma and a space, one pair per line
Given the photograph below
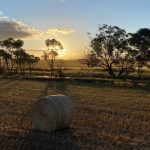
16, 29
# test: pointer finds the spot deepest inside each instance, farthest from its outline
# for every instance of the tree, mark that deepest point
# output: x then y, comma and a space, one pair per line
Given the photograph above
140, 42
10, 45
7, 44
111, 50
21, 59
52, 52
90, 59
25, 60
1, 57
31, 61
4, 59
13, 56
18, 44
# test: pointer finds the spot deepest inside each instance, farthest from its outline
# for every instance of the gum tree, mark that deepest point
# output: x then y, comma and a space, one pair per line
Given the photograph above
140, 42
53, 46
111, 50
11, 45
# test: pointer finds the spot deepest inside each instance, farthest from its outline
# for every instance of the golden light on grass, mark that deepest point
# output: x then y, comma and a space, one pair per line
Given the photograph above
120, 119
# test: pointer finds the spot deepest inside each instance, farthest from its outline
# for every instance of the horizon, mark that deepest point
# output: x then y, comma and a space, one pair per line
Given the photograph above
68, 21
40, 53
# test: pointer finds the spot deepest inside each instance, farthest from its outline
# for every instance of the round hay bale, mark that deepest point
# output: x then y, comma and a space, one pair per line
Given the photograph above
52, 112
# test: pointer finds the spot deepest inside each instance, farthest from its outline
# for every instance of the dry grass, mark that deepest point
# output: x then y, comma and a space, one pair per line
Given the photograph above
62, 63
107, 117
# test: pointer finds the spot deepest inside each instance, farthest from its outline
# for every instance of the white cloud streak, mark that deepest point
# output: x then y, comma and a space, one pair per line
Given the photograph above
55, 31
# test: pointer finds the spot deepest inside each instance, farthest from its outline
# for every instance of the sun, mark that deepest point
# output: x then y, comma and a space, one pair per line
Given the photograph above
62, 53
64, 50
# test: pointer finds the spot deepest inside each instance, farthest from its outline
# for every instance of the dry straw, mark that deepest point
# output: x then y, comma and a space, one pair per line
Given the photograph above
52, 112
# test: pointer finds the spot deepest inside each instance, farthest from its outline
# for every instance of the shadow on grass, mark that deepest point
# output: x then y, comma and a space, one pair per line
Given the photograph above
113, 85
62, 140
8, 84
35, 139
60, 86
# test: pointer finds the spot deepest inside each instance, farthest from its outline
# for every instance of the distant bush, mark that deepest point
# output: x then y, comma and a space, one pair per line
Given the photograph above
60, 73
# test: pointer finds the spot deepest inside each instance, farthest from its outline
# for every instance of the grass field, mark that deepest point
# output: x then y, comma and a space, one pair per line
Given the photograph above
62, 63
107, 117
75, 68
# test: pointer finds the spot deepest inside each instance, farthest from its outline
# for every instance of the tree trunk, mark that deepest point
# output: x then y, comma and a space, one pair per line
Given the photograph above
139, 71
7, 66
52, 69
0, 62
52, 66
111, 72
120, 73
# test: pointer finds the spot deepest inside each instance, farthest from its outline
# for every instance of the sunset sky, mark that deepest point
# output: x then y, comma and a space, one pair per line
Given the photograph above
68, 21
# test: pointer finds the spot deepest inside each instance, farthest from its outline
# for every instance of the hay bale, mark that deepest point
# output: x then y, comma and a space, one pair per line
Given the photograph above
52, 112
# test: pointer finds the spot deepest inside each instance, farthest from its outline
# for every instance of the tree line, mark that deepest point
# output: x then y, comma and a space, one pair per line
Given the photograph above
13, 58
118, 52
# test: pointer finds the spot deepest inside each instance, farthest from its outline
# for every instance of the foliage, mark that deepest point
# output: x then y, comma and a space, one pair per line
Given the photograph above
12, 56
90, 59
25, 60
111, 50
52, 52
140, 42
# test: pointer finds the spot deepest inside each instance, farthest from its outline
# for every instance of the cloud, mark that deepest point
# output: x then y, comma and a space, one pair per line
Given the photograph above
56, 31
16, 29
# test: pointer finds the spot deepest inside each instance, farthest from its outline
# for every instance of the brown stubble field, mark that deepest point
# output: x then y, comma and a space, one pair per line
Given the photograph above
107, 117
